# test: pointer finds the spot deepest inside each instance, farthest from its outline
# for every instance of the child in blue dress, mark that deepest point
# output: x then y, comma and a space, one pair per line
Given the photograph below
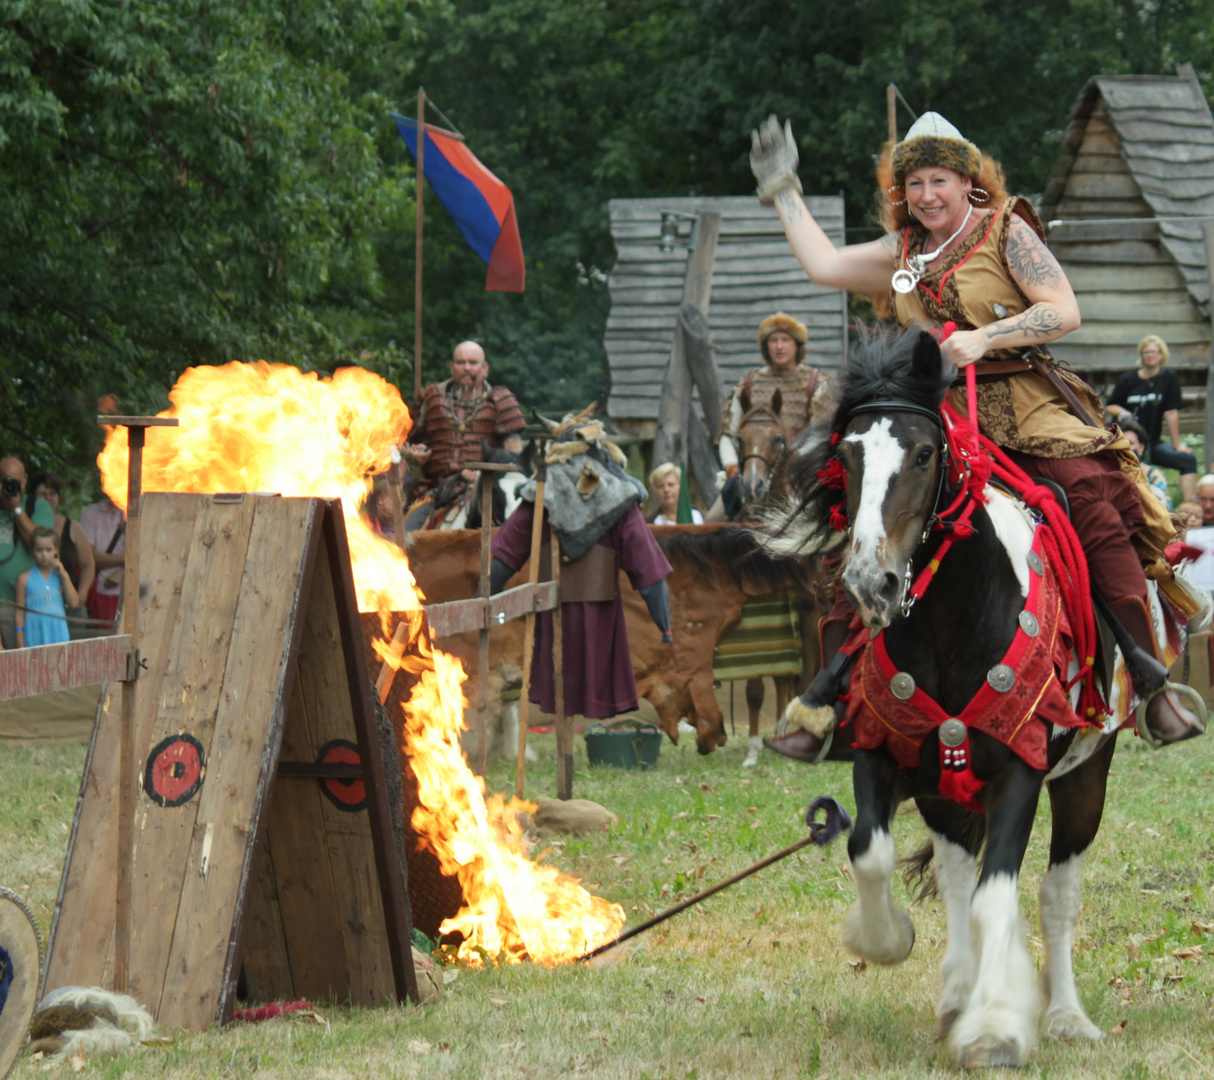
41, 591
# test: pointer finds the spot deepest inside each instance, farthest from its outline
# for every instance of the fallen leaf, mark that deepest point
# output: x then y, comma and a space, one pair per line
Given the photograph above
620, 860
755, 825
1192, 952
1152, 832
680, 815
711, 817
701, 1000
858, 967
419, 1046
752, 809
449, 976
313, 1017
501, 1003
39, 1055
665, 890
1117, 1029
78, 1062
1202, 927
512, 1046
705, 787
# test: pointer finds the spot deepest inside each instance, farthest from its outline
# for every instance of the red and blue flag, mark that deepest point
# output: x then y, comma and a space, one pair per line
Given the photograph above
480, 203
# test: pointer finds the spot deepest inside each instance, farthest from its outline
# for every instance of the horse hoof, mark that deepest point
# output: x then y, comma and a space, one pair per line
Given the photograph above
990, 1053
1070, 1024
754, 747
945, 1022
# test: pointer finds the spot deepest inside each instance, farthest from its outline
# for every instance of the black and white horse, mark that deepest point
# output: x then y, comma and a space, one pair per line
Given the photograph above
461, 501
890, 442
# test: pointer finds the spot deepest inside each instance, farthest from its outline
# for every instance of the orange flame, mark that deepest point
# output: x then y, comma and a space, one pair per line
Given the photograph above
271, 427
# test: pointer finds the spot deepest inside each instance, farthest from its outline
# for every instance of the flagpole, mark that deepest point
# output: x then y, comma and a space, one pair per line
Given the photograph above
417, 286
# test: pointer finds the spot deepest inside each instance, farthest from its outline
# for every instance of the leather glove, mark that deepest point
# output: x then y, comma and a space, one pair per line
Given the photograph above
773, 159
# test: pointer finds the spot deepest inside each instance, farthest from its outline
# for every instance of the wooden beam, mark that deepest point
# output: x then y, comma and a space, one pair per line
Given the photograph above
462, 616
43, 669
675, 402
1208, 451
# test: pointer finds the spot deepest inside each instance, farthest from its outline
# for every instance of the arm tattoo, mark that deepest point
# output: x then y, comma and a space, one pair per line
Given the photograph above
791, 203
1041, 320
1030, 261
891, 245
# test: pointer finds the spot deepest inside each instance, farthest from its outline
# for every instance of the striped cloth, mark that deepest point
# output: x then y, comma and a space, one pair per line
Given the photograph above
767, 641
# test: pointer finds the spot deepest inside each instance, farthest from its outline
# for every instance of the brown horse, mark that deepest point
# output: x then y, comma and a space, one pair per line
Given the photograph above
716, 568
763, 441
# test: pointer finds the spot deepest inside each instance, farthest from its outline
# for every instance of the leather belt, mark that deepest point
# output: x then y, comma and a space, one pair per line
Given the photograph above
1038, 360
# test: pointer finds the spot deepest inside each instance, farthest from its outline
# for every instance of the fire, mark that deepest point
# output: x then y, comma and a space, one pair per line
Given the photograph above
271, 427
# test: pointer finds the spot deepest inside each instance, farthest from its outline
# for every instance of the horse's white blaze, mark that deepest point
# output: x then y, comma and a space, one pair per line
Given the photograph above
1059, 906
956, 875
1014, 530
875, 927
510, 483
883, 457
1004, 1002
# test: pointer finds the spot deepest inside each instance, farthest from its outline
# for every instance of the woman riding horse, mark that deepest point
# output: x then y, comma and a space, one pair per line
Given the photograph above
958, 249
805, 393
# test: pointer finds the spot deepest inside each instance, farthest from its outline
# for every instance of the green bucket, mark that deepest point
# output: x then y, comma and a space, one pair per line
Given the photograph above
626, 748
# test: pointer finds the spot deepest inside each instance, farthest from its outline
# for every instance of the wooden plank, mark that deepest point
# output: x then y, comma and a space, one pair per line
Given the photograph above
464, 616
1155, 307
1125, 252
43, 669
1097, 162
266, 966
1170, 131
1103, 208
1160, 92
1102, 185
347, 833
192, 683
307, 896
1087, 278
243, 746
1107, 333
80, 950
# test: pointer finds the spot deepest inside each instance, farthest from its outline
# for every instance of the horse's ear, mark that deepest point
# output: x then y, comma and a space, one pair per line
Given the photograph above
926, 361
486, 449
777, 400
744, 399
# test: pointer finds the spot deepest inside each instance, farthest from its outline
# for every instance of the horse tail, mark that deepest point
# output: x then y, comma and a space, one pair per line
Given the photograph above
917, 871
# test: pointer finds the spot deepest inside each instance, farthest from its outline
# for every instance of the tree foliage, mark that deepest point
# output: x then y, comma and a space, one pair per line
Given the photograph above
187, 181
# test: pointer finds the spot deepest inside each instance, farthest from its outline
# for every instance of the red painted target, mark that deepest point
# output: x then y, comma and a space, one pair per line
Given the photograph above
348, 795
175, 770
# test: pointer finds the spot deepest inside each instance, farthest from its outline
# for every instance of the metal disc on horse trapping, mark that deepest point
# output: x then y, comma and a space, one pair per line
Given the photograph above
1035, 563
902, 685
1029, 623
20, 974
1001, 677
952, 733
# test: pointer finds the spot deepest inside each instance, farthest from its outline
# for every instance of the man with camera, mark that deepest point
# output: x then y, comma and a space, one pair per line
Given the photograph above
16, 528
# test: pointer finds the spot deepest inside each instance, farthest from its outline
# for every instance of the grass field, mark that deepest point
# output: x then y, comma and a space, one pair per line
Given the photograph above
754, 982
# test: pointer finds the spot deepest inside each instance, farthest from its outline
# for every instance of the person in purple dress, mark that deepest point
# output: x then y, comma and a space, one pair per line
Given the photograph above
593, 505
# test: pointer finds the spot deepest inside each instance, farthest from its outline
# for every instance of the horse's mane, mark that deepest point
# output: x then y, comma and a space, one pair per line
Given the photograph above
732, 550
883, 366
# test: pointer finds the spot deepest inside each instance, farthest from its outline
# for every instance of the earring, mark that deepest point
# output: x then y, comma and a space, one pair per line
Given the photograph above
984, 197
889, 192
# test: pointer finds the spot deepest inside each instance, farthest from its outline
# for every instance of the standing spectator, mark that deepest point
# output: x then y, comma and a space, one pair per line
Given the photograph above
41, 592
75, 551
105, 526
16, 532
667, 481
1152, 396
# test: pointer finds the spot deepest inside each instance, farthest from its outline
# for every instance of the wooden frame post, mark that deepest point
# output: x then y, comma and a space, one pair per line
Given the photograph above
417, 279
533, 577
136, 427
1207, 452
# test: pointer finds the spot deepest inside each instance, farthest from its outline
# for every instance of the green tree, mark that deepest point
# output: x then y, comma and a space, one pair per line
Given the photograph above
182, 183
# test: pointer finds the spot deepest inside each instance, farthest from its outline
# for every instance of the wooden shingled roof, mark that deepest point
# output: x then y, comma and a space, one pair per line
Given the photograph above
755, 274
1138, 146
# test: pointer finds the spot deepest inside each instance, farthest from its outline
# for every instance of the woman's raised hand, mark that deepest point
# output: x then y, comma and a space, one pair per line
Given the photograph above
774, 159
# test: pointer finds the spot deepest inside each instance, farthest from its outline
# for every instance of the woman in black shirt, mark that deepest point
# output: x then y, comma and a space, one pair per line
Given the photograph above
1152, 396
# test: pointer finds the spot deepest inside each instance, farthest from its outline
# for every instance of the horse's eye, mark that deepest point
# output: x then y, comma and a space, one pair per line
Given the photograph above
924, 457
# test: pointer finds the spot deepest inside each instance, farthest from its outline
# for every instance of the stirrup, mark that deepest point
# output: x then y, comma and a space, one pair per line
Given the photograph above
1182, 690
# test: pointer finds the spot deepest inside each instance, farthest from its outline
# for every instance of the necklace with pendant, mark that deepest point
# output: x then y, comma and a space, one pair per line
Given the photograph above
904, 281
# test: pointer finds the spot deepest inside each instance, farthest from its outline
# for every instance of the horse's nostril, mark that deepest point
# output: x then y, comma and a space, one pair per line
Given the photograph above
891, 583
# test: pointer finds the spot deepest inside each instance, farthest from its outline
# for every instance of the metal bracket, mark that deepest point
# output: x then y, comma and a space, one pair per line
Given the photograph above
134, 663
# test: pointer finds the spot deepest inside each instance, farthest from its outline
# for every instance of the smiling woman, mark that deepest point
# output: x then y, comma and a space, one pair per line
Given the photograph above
958, 251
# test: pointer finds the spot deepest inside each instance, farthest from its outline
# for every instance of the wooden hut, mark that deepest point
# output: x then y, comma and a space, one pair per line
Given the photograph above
754, 274
1125, 210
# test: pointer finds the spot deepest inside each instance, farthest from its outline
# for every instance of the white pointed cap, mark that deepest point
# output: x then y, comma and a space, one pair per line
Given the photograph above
934, 125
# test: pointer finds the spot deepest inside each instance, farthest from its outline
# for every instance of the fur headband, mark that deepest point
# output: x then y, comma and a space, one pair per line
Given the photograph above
791, 326
933, 141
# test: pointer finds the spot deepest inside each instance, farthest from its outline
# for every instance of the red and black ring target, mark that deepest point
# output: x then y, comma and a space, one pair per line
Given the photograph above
175, 770
348, 795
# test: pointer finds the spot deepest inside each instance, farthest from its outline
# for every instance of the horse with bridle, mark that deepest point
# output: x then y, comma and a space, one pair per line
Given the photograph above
963, 696
456, 504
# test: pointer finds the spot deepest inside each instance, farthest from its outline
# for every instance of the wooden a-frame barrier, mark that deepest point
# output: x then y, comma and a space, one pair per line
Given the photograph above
262, 839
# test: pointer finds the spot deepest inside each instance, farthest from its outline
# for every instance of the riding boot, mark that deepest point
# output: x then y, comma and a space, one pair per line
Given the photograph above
811, 717
1167, 719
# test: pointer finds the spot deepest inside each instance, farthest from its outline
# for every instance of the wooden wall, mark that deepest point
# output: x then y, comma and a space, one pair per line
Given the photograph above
755, 275
1137, 147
